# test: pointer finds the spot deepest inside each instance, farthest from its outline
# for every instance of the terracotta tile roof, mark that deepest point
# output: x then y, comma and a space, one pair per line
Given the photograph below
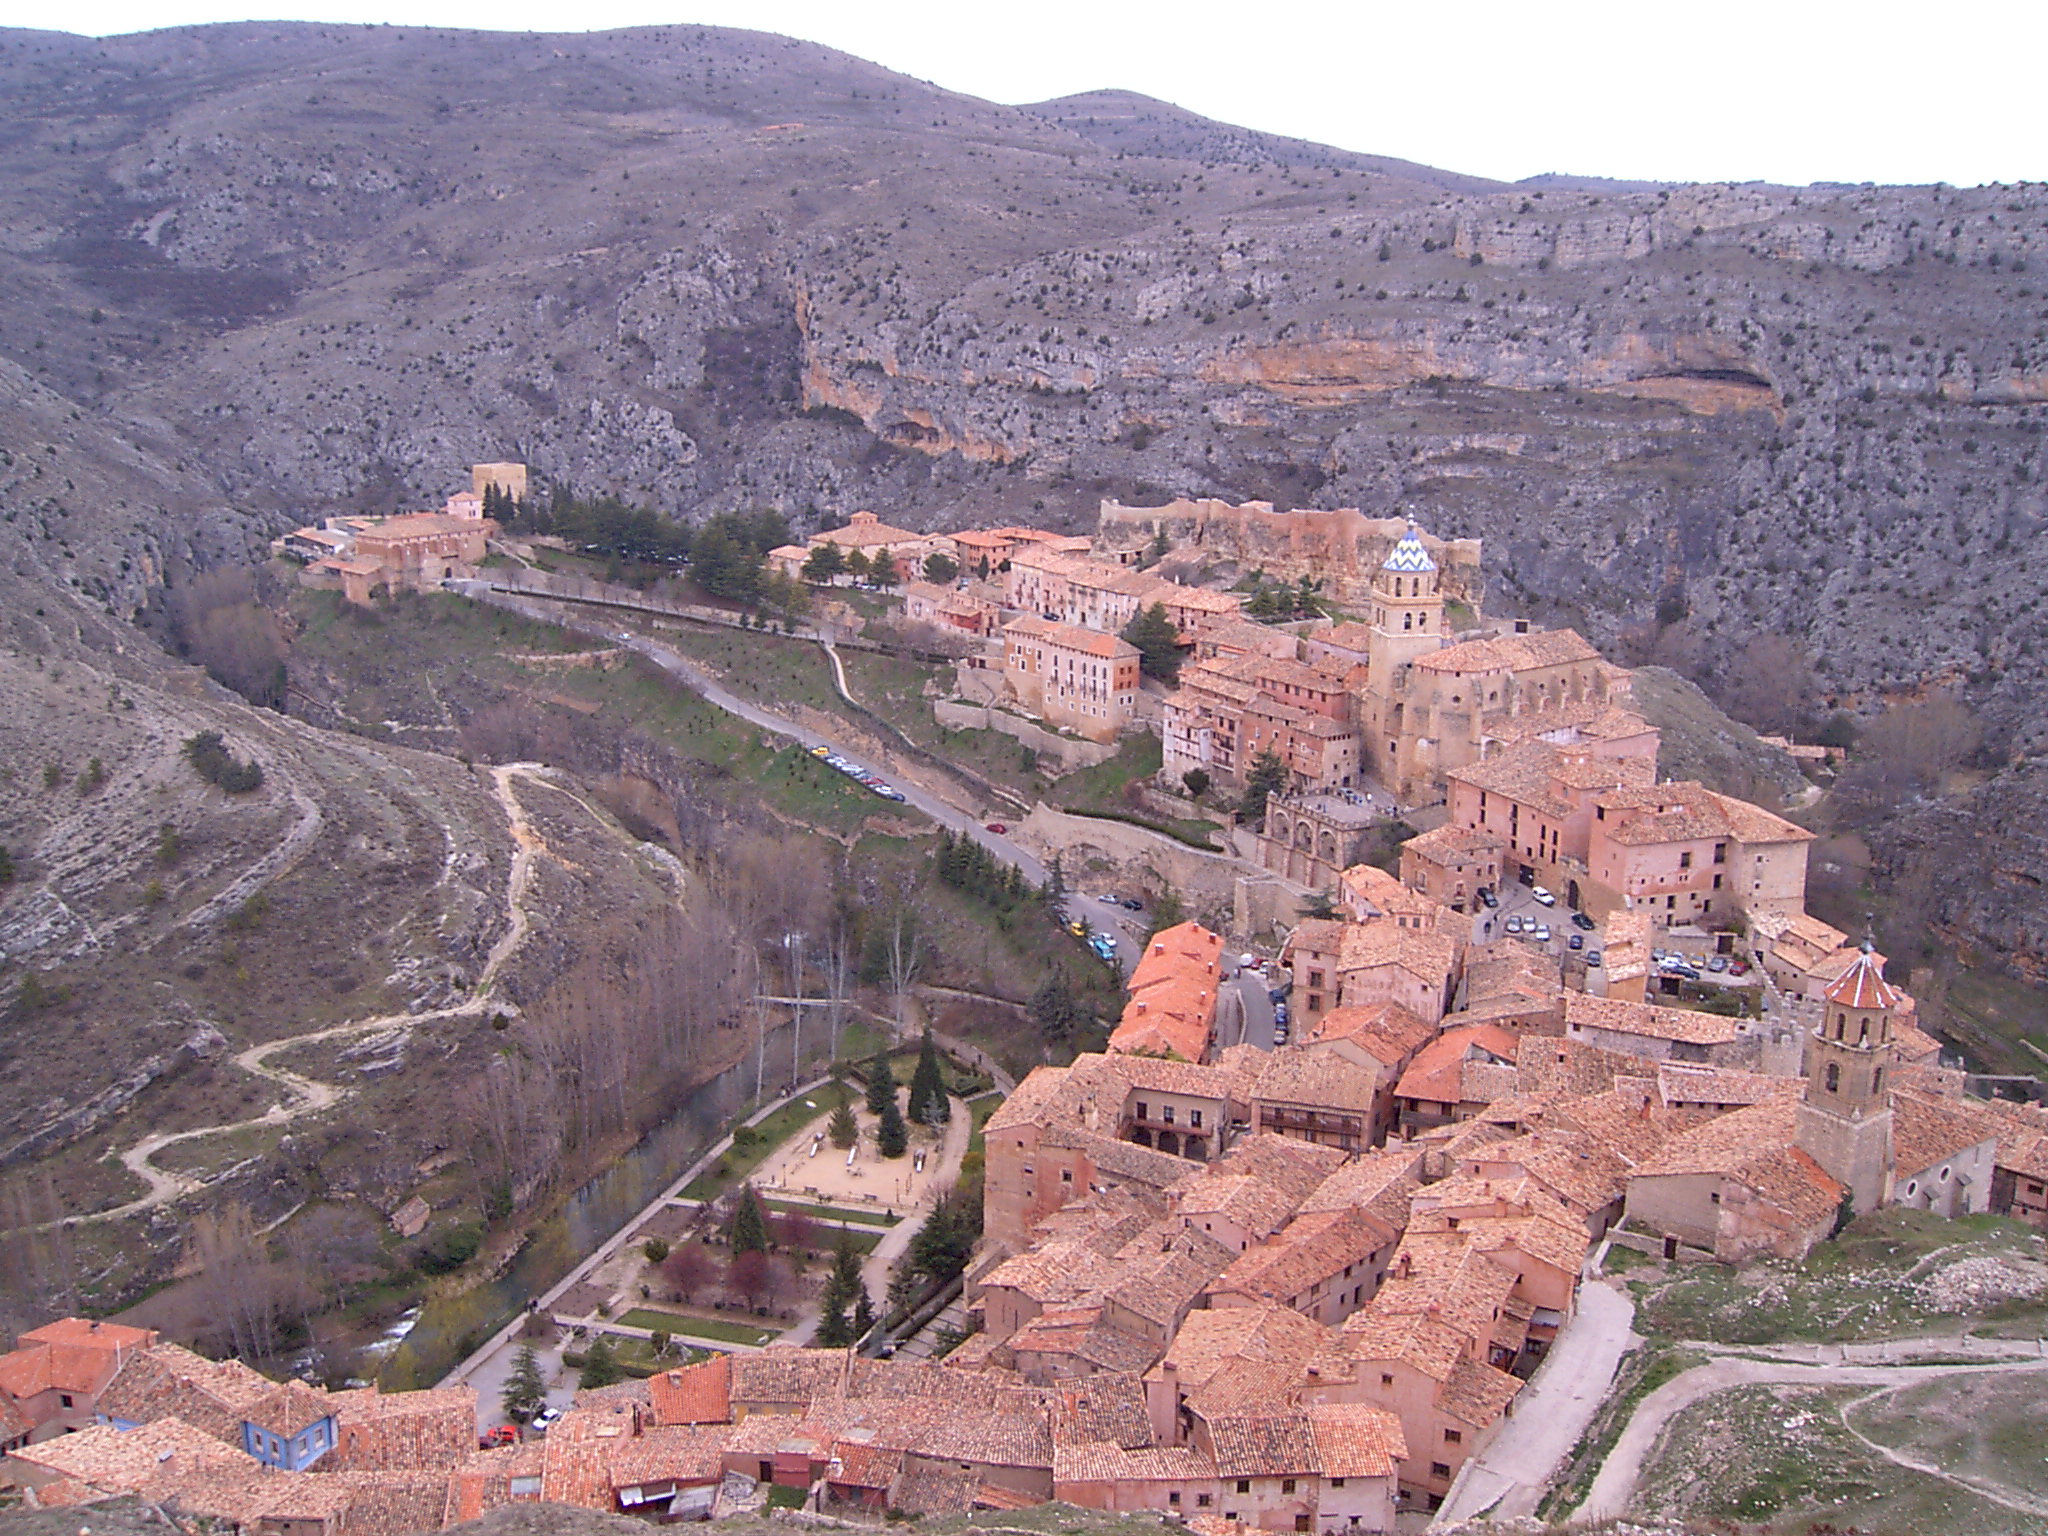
401, 1431
1450, 840
288, 1408
694, 1394
1684, 812
1379, 1183
1574, 1168
1727, 1143
167, 1380
1647, 1020
1511, 653
688, 1454
1686, 1082
1096, 1461
862, 1465
1319, 1079
1172, 1003
1108, 1407
1083, 1337
72, 1354
114, 1461
1437, 1073
1310, 1250
1928, 1132
1071, 637
1221, 1343
1863, 985
1429, 1345
792, 1376
1356, 1440
1386, 1032
1264, 1444
1477, 1394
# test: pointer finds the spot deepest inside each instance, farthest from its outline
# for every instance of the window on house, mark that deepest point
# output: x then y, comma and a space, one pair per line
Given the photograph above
1244, 1485
1439, 1469
1287, 1485
1685, 860
1066, 1175
1386, 1378
1301, 1522
1834, 1078
1454, 1437
1166, 1114
1173, 1496
1195, 1118
1144, 1110
1201, 1501
64, 1398
1336, 1482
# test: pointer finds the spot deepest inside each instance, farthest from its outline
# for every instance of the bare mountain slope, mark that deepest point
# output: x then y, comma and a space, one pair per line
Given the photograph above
253, 272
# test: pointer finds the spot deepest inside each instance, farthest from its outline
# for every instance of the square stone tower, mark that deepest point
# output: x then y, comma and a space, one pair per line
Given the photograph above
1845, 1119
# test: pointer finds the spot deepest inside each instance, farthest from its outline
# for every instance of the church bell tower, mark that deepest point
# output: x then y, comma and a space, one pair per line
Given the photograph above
1845, 1119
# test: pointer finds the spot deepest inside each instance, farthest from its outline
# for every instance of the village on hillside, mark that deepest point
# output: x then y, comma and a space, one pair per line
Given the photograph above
1285, 1285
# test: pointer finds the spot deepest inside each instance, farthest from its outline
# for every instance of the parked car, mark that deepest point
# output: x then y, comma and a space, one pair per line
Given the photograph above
1738, 967
1248, 961
1718, 963
543, 1419
504, 1434
1580, 920
1514, 923
821, 751
1114, 901
889, 792
1104, 945
1681, 970
1487, 899
1577, 941
1592, 959
1279, 1034
1078, 928
1280, 1014
1541, 932
1134, 904
1541, 897
996, 827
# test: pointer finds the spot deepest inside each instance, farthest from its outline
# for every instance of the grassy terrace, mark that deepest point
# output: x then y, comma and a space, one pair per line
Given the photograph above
1863, 1285
695, 1327
834, 1213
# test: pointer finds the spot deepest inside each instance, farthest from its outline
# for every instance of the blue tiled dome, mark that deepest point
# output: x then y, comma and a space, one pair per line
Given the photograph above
1409, 555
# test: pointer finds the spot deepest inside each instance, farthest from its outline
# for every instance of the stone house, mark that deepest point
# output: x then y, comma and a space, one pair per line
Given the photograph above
1074, 679
1451, 864
53, 1378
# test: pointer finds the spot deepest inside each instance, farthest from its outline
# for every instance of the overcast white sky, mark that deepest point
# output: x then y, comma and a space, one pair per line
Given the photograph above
1781, 90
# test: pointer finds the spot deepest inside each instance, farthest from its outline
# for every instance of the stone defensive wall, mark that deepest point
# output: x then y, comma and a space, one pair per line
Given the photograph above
1342, 545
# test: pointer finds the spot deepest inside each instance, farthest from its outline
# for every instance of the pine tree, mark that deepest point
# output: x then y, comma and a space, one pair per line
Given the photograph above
1267, 778
892, 1136
842, 1129
747, 1232
1055, 888
600, 1366
525, 1391
1053, 1008
835, 1328
1158, 642
928, 1103
881, 1083
863, 1314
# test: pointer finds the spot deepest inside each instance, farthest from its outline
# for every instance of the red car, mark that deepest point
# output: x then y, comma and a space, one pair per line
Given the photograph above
504, 1434
997, 827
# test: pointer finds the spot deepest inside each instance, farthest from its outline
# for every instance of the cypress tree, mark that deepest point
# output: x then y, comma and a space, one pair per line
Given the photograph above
748, 1229
892, 1136
881, 1083
928, 1104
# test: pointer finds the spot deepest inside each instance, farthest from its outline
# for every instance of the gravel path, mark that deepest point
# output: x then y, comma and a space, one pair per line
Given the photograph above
1615, 1486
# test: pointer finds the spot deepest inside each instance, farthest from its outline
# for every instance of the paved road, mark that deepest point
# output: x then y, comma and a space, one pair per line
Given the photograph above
1616, 1484
1509, 1477
1130, 928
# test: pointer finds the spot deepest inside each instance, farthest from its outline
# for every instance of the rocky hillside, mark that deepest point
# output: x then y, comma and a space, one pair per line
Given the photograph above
253, 272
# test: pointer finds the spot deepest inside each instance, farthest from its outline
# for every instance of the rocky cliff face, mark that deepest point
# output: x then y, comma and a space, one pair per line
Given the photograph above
255, 273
